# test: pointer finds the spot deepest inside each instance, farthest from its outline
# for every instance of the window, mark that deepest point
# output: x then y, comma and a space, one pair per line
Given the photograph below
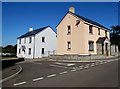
98, 31
30, 39
77, 22
69, 45
19, 51
69, 29
19, 41
43, 51
24, 40
29, 51
105, 32
43, 39
91, 46
90, 29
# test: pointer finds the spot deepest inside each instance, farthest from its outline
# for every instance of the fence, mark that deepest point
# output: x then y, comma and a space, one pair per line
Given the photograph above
47, 53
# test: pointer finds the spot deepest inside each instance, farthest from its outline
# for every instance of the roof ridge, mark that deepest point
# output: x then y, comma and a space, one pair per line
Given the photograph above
30, 33
88, 20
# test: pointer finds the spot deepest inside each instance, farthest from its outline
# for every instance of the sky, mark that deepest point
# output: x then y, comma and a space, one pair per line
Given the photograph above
18, 17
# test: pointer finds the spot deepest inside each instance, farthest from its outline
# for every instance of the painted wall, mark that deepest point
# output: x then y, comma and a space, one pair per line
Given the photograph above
37, 44
79, 36
49, 45
27, 46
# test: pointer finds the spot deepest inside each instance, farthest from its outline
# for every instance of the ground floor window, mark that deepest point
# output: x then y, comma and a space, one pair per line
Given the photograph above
69, 44
43, 51
91, 46
19, 51
29, 51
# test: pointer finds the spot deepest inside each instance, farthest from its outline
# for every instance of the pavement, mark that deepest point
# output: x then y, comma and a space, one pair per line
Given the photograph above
66, 74
10, 72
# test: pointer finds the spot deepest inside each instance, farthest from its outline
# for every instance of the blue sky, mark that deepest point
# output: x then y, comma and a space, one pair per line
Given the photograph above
17, 17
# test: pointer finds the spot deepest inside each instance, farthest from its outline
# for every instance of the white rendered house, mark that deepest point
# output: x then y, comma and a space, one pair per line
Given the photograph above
37, 43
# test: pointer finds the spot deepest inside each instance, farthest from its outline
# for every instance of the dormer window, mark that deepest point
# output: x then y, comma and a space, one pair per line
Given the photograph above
19, 41
98, 31
69, 29
90, 29
77, 22
30, 39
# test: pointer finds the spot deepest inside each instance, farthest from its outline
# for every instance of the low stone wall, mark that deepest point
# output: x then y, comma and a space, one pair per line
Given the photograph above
77, 57
115, 54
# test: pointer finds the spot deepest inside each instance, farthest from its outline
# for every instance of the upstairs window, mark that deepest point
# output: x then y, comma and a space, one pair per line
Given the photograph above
24, 40
90, 29
30, 39
43, 39
91, 46
29, 51
98, 31
69, 29
69, 45
106, 33
19, 41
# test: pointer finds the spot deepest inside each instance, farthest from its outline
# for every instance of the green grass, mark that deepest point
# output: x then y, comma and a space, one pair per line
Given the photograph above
6, 57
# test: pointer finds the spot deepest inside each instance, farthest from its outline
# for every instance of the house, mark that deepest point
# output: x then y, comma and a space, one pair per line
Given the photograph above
37, 43
79, 35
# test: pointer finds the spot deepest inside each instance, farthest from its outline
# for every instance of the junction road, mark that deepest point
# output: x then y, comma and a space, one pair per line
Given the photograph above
59, 74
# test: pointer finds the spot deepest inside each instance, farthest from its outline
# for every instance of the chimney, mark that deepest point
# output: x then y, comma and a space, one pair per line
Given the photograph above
30, 29
72, 9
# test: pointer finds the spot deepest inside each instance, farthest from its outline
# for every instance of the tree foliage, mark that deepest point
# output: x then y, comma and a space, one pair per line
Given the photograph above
10, 49
115, 35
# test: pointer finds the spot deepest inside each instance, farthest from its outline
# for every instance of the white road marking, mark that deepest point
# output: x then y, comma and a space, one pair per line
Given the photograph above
92, 65
63, 72
19, 83
38, 79
105, 62
52, 75
80, 68
64, 64
70, 64
57, 63
101, 62
86, 67
59, 66
73, 70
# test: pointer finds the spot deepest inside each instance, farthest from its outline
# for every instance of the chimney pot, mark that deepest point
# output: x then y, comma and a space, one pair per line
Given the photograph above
72, 9
31, 29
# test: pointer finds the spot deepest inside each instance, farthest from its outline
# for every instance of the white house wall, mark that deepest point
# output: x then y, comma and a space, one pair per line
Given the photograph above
48, 45
27, 46
36, 47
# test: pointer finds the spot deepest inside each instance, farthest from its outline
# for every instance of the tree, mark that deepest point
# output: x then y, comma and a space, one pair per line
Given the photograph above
10, 49
115, 35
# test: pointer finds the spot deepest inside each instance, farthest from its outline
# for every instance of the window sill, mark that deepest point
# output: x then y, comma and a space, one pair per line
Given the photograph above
91, 33
68, 49
68, 33
91, 50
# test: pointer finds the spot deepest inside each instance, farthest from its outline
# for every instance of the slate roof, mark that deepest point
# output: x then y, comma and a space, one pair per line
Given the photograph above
33, 32
89, 21
86, 20
101, 39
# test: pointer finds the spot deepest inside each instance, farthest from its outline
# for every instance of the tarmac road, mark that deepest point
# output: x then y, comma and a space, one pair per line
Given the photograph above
57, 74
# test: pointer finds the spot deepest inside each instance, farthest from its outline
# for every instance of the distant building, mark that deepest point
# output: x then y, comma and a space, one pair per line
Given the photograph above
37, 43
79, 35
